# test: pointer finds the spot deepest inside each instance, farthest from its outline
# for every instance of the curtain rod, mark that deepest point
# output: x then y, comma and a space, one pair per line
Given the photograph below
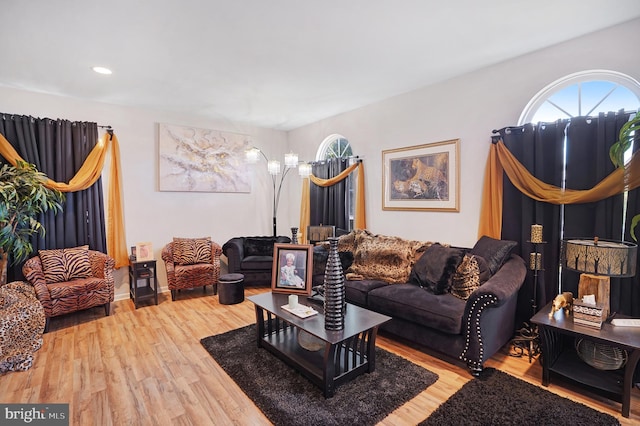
109, 130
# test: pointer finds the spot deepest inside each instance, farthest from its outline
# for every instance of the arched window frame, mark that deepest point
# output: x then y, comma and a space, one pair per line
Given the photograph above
561, 84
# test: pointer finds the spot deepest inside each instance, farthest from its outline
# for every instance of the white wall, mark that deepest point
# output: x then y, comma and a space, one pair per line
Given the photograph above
151, 215
468, 108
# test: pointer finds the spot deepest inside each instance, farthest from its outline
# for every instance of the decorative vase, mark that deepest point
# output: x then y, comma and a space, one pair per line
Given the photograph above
334, 293
294, 235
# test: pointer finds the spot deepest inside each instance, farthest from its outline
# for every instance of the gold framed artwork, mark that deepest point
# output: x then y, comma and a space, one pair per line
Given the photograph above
422, 177
292, 268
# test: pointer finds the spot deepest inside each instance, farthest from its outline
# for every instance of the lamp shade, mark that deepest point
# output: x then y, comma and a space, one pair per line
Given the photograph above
599, 257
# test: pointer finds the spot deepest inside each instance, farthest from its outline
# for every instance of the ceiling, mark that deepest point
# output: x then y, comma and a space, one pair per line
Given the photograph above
278, 64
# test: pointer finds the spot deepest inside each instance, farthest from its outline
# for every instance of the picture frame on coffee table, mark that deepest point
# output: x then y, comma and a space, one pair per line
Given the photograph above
292, 268
422, 177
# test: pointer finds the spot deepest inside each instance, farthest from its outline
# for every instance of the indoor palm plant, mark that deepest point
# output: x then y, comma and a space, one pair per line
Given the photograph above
617, 151
23, 196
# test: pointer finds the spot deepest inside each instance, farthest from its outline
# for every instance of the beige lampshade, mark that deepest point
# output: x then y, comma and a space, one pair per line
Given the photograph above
599, 257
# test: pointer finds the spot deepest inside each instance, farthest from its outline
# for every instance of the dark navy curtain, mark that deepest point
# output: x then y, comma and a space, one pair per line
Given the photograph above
541, 149
328, 205
58, 148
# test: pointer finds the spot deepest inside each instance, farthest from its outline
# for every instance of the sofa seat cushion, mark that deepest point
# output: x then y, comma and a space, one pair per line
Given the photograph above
254, 263
76, 287
442, 312
356, 291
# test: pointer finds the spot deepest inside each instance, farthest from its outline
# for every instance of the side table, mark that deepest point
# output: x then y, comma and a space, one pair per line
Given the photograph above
560, 358
144, 271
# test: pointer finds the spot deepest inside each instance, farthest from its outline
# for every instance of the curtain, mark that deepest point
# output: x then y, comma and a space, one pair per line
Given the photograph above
59, 148
590, 204
328, 205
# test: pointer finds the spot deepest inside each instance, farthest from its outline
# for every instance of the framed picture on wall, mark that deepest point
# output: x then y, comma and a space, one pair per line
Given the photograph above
292, 268
422, 177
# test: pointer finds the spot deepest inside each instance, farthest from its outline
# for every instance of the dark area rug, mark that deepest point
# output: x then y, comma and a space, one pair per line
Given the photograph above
288, 398
497, 398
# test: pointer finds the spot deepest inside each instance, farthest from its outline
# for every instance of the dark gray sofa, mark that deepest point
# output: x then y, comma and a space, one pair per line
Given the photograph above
469, 330
252, 257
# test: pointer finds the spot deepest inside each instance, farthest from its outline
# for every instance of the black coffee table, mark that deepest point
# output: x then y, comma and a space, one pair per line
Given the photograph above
346, 354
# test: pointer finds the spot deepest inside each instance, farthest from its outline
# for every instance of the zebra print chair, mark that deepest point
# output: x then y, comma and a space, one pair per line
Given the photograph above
190, 263
71, 279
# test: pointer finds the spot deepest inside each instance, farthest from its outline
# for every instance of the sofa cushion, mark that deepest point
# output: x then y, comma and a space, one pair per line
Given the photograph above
356, 291
61, 265
257, 263
495, 252
435, 268
409, 302
472, 272
379, 257
189, 251
258, 246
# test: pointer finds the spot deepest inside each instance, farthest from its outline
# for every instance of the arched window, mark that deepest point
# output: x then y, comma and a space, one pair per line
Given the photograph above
335, 204
334, 146
585, 93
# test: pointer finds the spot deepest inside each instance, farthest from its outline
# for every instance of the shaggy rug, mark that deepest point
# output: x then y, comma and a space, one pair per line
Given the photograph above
497, 398
288, 398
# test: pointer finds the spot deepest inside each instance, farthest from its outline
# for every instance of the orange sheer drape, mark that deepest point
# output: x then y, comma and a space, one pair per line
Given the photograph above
88, 174
501, 160
360, 219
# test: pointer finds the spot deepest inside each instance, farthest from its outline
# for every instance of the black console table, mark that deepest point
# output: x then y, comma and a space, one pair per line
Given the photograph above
561, 359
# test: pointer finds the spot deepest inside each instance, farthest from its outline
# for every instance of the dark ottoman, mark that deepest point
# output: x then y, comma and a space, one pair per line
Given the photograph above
230, 289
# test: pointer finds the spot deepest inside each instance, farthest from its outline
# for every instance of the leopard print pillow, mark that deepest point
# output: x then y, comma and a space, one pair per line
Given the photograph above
472, 272
61, 265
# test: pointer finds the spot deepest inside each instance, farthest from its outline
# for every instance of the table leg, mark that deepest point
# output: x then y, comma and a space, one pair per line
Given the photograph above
259, 325
329, 370
371, 349
629, 371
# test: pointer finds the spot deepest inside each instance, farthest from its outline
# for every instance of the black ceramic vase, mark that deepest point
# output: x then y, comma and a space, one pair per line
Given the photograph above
294, 235
334, 293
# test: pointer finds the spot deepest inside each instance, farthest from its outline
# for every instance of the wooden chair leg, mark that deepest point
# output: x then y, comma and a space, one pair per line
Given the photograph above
107, 308
46, 325
173, 295
215, 289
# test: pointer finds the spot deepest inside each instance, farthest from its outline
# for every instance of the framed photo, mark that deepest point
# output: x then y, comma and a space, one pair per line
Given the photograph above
422, 177
144, 251
292, 268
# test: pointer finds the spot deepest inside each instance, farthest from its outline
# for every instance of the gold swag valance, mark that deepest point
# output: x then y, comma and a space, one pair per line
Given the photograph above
86, 176
360, 219
501, 160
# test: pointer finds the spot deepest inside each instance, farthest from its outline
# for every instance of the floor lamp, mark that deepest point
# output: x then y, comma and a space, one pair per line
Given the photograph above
252, 156
598, 260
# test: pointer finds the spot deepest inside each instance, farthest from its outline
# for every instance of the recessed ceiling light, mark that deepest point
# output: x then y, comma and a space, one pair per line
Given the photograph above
102, 70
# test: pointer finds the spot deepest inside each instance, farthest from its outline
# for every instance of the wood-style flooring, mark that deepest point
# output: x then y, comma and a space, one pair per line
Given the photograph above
147, 367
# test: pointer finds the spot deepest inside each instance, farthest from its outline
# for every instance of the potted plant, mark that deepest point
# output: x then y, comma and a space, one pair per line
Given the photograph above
23, 197
617, 151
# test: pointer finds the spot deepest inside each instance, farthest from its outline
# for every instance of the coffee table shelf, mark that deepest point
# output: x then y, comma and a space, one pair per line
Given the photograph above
346, 354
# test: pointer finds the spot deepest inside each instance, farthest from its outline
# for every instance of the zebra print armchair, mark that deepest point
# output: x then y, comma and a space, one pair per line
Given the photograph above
71, 279
190, 263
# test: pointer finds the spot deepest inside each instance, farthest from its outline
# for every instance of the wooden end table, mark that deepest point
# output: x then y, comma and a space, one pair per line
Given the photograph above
347, 353
560, 357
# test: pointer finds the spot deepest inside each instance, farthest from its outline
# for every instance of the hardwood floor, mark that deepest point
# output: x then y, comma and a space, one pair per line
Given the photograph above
147, 367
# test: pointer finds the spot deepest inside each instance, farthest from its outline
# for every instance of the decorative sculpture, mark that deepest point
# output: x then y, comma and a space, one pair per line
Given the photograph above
334, 291
562, 301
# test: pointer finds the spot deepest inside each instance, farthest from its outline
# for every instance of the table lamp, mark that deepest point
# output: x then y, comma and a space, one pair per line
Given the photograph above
598, 260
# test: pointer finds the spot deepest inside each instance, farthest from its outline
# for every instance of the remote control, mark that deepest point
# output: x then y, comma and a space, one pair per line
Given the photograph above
626, 322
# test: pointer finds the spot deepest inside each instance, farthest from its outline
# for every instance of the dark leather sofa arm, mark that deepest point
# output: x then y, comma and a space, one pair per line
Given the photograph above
489, 313
234, 250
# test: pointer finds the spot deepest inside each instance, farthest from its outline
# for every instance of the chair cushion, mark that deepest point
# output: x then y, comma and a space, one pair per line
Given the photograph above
189, 251
76, 288
60, 265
